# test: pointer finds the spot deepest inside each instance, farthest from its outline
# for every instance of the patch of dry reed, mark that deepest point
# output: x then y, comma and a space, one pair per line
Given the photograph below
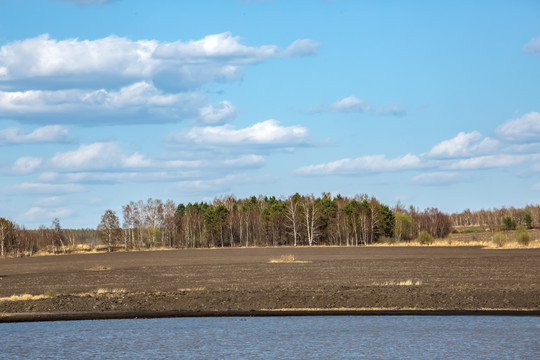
408, 282
286, 259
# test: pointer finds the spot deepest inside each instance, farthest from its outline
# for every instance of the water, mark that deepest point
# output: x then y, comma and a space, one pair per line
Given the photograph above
346, 337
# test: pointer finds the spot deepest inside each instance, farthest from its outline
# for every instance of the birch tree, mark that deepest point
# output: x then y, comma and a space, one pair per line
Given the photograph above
292, 214
109, 229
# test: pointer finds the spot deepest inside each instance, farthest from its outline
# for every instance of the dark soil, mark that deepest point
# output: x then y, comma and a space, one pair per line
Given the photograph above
217, 280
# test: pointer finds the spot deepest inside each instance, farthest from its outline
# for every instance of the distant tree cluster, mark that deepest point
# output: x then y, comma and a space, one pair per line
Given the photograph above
18, 241
267, 221
499, 219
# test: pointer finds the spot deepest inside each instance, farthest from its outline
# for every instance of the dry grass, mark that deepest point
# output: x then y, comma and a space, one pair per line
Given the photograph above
99, 268
202, 288
443, 242
400, 283
286, 259
514, 245
23, 297
102, 291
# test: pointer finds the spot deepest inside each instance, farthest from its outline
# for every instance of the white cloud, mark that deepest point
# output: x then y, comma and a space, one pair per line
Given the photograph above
50, 201
109, 177
451, 159
156, 171
463, 145
139, 102
26, 165
263, 134
391, 110
350, 104
42, 214
115, 80
217, 186
44, 188
105, 162
245, 161
100, 155
488, 162
302, 47
46, 134
363, 164
217, 114
45, 62
439, 178
91, 157
532, 46
525, 128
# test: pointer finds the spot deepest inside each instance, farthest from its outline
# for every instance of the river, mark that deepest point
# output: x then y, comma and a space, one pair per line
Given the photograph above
317, 337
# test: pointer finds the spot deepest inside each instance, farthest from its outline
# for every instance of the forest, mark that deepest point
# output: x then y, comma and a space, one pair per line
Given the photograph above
299, 220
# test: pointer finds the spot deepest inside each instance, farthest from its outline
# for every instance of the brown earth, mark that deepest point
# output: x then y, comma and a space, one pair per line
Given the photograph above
240, 280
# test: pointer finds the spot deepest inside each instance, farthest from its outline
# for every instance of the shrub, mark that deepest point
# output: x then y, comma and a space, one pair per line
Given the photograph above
387, 240
449, 239
425, 238
50, 293
528, 220
509, 223
499, 239
522, 236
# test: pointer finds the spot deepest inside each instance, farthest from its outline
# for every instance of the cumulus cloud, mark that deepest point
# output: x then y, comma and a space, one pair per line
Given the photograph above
464, 144
50, 201
217, 185
101, 155
43, 62
350, 104
488, 162
116, 177
139, 102
525, 128
43, 214
115, 80
515, 144
44, 188
263, 134
439, 178
46, 134
532, 46
391, 110
303, 47
363, 164
105, 162
217, 114
26, 165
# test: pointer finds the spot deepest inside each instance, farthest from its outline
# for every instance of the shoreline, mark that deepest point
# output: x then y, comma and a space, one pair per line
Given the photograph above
112, 315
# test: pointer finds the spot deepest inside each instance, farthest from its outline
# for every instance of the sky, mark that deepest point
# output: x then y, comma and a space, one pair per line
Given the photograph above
426, 103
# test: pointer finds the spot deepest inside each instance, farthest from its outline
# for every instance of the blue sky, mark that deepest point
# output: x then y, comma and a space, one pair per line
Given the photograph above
428, 103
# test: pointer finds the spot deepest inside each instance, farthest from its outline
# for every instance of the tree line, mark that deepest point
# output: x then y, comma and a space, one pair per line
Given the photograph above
298, 220
508, 218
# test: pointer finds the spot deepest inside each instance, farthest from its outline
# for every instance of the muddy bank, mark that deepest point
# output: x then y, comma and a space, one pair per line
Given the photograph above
244, 281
